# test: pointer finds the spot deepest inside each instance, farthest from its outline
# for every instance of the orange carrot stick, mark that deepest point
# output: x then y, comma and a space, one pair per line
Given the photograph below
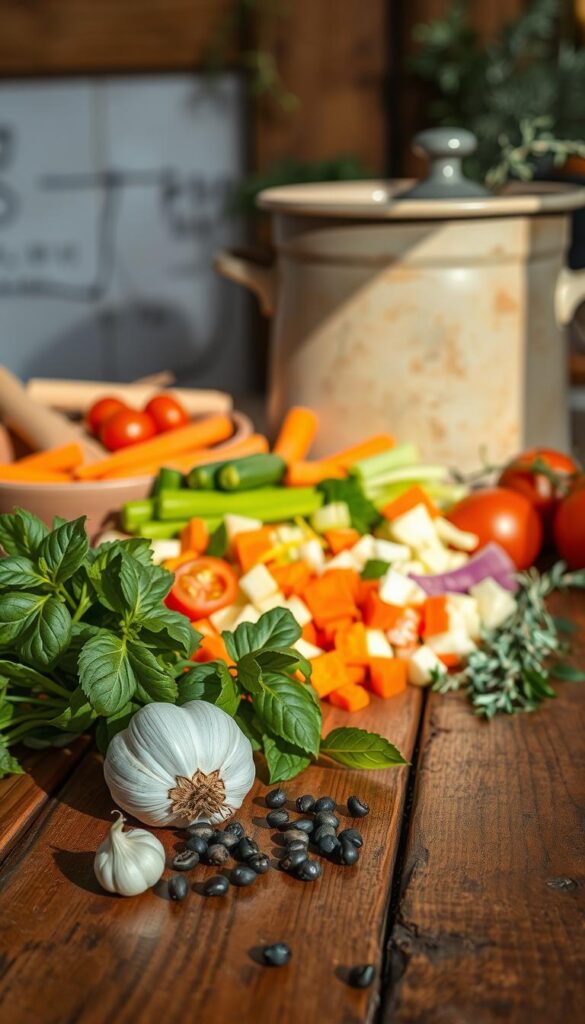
256, 444
202, 434
31, 475
363, 450
297, 434
59, 460
307, 474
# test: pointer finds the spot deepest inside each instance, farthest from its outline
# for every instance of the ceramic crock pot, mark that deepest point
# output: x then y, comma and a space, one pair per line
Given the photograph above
436, 319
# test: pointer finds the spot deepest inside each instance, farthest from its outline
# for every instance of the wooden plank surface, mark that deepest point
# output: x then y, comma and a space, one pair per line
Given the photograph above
70, 952
490, 921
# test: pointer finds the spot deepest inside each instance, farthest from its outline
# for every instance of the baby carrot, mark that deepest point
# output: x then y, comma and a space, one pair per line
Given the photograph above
54, 460
297, 434
306, 474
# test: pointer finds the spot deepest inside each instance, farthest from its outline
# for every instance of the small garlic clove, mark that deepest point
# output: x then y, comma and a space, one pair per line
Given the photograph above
129, 863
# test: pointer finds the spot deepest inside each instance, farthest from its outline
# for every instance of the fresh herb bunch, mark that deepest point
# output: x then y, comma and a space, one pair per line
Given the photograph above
85, 639
512, 669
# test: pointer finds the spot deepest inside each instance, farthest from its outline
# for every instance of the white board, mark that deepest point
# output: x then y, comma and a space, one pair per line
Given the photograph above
113, 195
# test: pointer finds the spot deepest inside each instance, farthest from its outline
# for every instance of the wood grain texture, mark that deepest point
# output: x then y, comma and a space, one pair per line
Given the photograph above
70, 952
490, 919
65, 36
22, 797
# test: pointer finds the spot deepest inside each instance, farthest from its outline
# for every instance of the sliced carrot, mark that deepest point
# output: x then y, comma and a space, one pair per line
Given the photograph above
450, 660
204, 626
256, 444
406, 629
194, 536
297, 434
201, 434
348, 578
172, 564
329, 598
292, 578
371, 446
409, 499
366, 588
212, 648
341, 540
435, 615
352, 644
388, 676
309, 633
329, 673
61, 459
30, 475
358, 674
307, 474
326, 635
378, 614
351, 697
250, 545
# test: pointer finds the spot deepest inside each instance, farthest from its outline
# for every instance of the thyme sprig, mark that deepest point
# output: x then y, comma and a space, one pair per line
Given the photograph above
512, 669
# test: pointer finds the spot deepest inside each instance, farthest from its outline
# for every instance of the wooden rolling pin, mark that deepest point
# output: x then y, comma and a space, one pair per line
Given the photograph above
75, 396
39, 427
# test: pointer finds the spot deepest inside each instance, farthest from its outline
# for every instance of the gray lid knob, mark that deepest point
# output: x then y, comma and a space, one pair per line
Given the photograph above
445, 149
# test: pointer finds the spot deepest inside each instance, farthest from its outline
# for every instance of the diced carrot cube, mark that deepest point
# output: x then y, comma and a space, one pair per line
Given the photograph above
366, 588
409, 499
357, 674
194, 536
341, 540
380, 615
348, 578
388, 676
292, 578
350, 697
326, 636
330, 597
450, 660
435, 615
309, 633
251, 545
212, 648
352, 644
329, 673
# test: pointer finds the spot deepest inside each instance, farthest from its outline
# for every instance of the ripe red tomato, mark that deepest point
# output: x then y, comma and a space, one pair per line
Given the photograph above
167, 413
101, 410
527, 475
202, 586
496, 514
569, 527
129, 426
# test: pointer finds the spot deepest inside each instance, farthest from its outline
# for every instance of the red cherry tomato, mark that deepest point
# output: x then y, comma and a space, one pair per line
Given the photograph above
126, 427
496, 514
527, 474
569, 527
167, 413
101, 411
202, 586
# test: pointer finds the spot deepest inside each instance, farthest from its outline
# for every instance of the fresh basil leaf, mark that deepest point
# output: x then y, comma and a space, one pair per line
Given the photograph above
218, 542
248, 722
105, 673
17, 612
81, 632
48, 634
250, 674
77, 716
8, 763
213, 682
21, 533
374, 569
64, 550
23, 674
109, 727
58, 521
569, 673
278, 660
276, 628
6, 713
287, 710
363, 514
172, 628
152, 681
46, 736
357, 748
284, 761
20, 572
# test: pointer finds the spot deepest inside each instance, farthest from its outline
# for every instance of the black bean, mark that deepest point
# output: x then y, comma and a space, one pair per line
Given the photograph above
293, 859
357, 808
227, 839
362, 975
246, 848
217, 854
276, 798
185, 860
353, 836
259, 862
328, 844
347, 853
243, 875
327, 818
276, 955
305, 804
293, 835
198, 844
277, 818
301, 825
178, 887
324, 803
202, 829
218, 885
309, 871
236, 828
321, 832
297, 844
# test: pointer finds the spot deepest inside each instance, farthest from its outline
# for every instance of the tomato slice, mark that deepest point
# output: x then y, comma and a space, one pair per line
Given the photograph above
202, 586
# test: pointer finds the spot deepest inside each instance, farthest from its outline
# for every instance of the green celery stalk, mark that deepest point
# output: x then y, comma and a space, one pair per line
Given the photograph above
406, 475
382, 463
155, 530
136, 512
269, 504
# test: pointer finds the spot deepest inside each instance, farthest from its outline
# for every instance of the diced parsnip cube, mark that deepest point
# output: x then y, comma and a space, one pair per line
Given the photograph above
277, 600
377, 644
463, 612
299, 610
395, 588
388, 551
164, 549
456, 538
495, 604
415, 528
224, 618
344, 560
422, 665
239, 524
312, 553
457, 559
436, 559
334, 516
455, 641
287, 534
306, 649
247, 614
363, 550
414, 566
258, 584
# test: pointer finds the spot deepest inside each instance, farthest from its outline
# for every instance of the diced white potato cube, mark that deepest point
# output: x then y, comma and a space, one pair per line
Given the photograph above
287, 534
363, 550
495, 604
247, 614
344, 560
415, 528
457, 559
396, 588
164, 549
277, 600
388, 551
436, 559
463, 612
312, 553
456, 538
377, 644
455, 641
298, 608
224, 618
422, 665
306, 649
415, 567
239, 524
258, 584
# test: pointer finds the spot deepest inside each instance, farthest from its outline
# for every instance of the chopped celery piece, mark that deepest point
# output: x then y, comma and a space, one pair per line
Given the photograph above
380, 464
334, 516
408, 475
269, 504
136, 512
161, 531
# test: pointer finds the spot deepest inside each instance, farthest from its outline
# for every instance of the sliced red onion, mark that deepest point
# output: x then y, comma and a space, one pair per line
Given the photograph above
490, 561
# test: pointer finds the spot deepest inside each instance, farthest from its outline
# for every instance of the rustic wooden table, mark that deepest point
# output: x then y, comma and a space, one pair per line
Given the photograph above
468, 896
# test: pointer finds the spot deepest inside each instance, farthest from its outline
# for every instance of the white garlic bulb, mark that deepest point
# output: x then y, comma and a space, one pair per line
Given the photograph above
129, 862
177, 765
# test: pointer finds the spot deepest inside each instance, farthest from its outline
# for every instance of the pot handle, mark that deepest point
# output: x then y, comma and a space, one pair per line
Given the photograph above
569, 294
258, 278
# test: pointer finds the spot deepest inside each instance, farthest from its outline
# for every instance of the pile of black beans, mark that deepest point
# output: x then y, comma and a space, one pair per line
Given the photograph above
208, 845
315, 831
